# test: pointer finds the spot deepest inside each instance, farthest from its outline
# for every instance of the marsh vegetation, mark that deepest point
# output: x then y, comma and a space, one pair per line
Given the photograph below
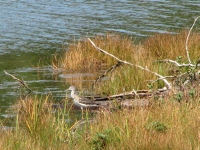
171, 121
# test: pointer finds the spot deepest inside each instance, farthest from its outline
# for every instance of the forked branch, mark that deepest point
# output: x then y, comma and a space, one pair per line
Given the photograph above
186, 49
186, 43
168, 85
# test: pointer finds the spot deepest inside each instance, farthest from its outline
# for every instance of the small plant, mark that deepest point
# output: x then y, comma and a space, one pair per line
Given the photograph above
192, 93
101, 140
179, 96
179, 59
150, 86
157, 126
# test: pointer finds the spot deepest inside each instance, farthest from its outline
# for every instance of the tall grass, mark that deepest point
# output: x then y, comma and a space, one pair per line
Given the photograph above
166, 124
170, 122
170, 46
83, 56
37, 126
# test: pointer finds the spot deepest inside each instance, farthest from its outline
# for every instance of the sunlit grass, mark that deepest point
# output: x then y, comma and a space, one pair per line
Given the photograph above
37, 126
171, 46
169, 125
82, 56
170, 122
165, 124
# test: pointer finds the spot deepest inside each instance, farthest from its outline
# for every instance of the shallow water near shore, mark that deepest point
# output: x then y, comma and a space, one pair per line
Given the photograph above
31, 32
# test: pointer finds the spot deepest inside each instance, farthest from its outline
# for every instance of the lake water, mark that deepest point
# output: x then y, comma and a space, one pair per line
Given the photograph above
31, 32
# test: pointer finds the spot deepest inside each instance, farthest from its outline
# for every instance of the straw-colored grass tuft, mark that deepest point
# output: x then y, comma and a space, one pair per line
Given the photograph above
83, 56
166, 124
37, 126
171, 46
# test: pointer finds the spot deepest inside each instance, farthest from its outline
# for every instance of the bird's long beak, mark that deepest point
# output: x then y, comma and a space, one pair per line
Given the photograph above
67, 90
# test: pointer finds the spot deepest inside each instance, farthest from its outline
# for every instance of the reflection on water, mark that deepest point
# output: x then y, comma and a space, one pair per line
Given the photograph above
32, 31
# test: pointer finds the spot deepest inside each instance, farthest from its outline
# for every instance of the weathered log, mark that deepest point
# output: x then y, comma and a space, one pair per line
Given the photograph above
132, 95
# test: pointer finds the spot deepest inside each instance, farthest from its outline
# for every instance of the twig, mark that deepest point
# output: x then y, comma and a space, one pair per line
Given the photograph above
177, 64
162, 78
20, 81
135, 92
186, 43
109, 70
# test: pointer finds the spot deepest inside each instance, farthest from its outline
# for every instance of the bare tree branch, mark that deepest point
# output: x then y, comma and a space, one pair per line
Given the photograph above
187, 51
186, 43
168, 85
177, 64
20, 81
109, 70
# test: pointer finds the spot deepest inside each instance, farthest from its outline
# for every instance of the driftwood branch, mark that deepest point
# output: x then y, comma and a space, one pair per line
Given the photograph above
20, 81
177, 64
186, 49
132, 94
168, 85
111, 55
186, 43
109, 70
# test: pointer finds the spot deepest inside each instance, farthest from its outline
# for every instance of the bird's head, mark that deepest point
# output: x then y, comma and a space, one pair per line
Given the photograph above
71, 88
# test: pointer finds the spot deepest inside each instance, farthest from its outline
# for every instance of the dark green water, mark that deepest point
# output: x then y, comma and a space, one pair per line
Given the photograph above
31, 32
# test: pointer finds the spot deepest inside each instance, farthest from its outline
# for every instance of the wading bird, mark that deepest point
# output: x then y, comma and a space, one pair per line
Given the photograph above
77, 99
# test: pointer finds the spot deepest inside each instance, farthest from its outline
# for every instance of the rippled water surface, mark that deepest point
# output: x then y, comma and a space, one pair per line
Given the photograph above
32, 31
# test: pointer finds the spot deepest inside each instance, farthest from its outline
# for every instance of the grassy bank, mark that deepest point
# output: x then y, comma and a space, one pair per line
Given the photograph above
170, 122
81, 56
166, 124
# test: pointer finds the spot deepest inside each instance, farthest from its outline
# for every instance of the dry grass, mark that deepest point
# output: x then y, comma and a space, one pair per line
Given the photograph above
166, 124
169, 125
37, 127
82, 56
170, 46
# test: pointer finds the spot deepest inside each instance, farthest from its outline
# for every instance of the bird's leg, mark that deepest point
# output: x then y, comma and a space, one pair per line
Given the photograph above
86, 114
82, 112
